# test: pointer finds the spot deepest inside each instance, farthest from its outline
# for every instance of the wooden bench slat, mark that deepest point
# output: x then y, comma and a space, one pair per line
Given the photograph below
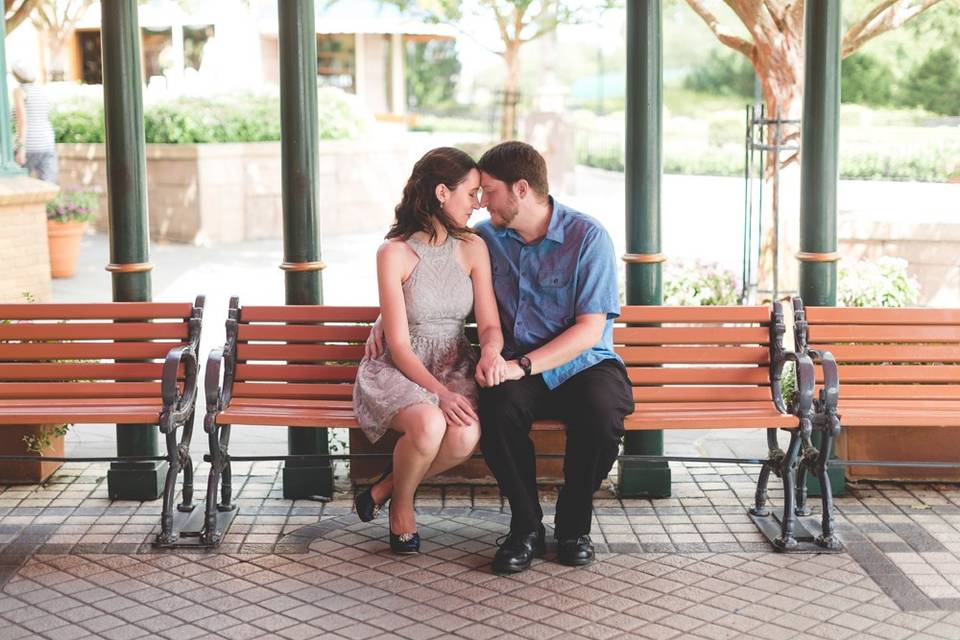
710, 336
900, 391
694, 355
308, 313
79, 389
303, 333
715, 393
299, 352
96, 311
94, 331
84, 371
698, 375
296, 372
831, 333
917, 374
668, 421
731, 314
882, 316
86, 350
87, 415
57, 403
291, 390
891, 353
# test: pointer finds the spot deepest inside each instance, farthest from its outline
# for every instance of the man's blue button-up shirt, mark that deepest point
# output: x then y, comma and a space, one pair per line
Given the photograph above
541, 288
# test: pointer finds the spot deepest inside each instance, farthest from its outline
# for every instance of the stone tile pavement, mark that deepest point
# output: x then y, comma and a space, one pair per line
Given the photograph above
75, 565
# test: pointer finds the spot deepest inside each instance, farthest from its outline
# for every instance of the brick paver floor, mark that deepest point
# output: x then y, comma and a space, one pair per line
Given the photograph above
73, 565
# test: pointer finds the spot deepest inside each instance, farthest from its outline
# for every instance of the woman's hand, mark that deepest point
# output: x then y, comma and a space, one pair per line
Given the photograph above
375, 341
20, 157
491, 369
457, 409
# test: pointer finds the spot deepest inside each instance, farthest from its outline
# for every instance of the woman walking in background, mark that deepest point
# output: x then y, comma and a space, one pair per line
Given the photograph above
34, 146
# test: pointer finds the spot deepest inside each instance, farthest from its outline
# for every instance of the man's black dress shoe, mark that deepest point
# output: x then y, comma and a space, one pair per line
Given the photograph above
517, 551
575, 552
367, 509
405, 543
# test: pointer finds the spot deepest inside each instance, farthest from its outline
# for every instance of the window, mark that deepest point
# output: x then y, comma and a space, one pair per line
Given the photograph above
194, 40
157, 51
336, 61
91, 61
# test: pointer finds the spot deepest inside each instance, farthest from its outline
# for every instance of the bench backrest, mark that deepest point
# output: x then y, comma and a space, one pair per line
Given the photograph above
673, 354
889, 353
72, 350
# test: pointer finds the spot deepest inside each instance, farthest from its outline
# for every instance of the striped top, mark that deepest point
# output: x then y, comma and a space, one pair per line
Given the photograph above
40, 137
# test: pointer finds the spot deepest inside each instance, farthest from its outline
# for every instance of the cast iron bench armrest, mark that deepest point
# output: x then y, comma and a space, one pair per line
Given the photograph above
178, 406
217, 396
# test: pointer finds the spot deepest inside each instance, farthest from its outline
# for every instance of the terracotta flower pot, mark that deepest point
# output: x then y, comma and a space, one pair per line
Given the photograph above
26, 471
64, 240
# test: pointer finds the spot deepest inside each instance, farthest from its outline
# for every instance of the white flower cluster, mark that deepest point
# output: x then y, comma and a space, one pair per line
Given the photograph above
884, 282
699, 284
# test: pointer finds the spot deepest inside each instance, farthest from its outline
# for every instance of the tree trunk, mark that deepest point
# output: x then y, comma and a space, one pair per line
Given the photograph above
508, 119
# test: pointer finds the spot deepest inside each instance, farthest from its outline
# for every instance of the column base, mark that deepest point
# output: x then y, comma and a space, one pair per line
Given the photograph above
136, 481
644, 479
314, 481
838, 483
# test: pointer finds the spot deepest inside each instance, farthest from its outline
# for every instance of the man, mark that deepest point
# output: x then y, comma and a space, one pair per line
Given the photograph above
555, 279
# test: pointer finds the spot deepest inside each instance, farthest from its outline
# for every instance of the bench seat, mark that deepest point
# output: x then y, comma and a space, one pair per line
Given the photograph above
92, 410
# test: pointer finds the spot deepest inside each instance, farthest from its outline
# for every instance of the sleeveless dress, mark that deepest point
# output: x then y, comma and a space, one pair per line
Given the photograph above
438, 297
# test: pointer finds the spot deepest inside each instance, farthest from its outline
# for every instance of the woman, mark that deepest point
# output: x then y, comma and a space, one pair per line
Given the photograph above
34, 146
432, 271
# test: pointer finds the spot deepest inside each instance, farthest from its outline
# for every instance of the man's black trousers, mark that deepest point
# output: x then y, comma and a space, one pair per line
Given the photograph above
592, 403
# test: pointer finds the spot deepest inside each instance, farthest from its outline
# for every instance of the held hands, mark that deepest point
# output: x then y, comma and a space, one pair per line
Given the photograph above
491, 369
457, 409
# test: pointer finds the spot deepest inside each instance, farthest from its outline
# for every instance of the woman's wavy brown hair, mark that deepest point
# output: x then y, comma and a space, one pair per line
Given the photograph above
419, 206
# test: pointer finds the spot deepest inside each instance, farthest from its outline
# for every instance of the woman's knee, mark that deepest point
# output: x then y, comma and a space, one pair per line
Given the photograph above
427, 431
461, 442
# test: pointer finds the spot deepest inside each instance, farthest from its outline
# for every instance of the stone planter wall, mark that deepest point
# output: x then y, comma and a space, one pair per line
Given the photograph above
23, 239
225, 193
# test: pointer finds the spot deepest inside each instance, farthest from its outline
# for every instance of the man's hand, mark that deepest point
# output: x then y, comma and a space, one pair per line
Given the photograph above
491, 370
375, 341
514, 371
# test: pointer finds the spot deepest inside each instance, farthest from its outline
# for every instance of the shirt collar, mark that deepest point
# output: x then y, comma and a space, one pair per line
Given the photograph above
555, 229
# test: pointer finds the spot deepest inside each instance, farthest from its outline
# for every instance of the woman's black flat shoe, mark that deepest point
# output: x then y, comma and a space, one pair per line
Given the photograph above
405, 543
366, 508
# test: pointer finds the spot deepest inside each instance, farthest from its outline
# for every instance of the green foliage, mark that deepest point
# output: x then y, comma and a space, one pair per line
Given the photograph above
433, 71
234, 118
865, 80
726, 74
884, 282
43, 438
934, 84
699, 284
72, 206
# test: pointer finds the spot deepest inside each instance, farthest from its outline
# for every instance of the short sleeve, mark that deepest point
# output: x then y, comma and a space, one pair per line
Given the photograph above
597, 287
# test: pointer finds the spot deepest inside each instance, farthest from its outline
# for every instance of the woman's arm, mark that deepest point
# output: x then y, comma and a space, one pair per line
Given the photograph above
393, 314
20, 118
490, 369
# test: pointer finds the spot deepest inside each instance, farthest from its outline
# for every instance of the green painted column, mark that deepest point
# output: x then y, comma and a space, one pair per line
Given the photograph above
129, 227
644, 164
819, 169
301, 225
7, 166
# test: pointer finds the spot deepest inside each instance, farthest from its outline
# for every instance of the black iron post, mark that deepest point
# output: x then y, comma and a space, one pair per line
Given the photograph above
301, 226
644, 163
129, 227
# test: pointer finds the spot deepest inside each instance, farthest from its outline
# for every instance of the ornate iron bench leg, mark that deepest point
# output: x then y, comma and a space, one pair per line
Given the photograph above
167, 535
827, 539
186, 504
226, 482
786, 540
774, 461
211, 536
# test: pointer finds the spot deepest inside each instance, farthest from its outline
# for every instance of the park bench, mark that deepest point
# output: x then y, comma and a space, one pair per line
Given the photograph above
898, 368
691, 368
126, 363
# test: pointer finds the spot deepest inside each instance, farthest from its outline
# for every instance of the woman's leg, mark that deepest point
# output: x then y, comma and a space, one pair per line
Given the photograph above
422, 427
457, 446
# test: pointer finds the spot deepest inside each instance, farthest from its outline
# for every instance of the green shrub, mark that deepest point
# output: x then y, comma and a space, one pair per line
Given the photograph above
934, 84
234, 118
699, 284
865, 80
726, 74
884, 282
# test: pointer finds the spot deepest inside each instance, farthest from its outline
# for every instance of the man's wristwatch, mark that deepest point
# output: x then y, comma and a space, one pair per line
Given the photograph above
524, 363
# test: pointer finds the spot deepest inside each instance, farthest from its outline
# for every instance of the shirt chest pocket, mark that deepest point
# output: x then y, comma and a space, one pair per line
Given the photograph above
555, 292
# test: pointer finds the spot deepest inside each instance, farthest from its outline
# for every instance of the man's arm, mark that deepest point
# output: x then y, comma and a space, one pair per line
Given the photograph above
586, 331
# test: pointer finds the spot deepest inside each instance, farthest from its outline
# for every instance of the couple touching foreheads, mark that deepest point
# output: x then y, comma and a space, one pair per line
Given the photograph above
541, 281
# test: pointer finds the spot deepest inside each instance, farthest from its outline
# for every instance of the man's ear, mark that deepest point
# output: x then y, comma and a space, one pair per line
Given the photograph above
521, 188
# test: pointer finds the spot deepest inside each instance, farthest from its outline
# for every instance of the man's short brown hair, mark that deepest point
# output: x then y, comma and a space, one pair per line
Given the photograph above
514, 160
